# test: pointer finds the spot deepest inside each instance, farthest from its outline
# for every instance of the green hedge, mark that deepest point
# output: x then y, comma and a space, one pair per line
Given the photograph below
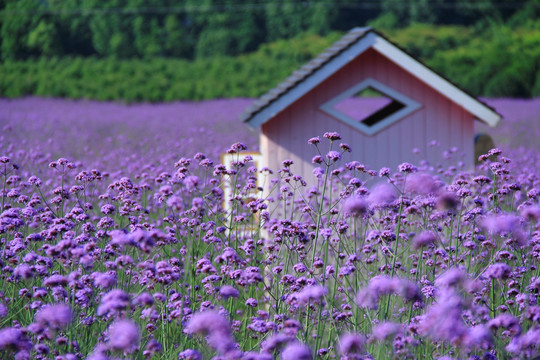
161, 79
498, 61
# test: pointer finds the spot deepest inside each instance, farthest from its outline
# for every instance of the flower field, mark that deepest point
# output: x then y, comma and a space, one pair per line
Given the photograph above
117, 241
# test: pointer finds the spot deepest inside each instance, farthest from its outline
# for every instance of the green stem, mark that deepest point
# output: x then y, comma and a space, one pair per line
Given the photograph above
4, 189
395, 254
493, 307
319, 215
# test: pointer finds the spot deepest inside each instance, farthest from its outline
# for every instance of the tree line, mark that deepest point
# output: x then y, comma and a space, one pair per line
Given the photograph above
194, 29
499, 61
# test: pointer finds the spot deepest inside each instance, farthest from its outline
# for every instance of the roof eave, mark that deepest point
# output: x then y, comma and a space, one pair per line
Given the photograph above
310, 82
436, 81
266, 110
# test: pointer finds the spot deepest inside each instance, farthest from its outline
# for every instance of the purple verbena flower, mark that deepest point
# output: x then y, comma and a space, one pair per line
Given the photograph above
332, 136
355, 206
215, 327
228, 291
124, 336
498, 271
351, 344
386, 330
189, 354
333, 156
56, 317
311, 294
424, 239
314, 140
381, 195
296, 351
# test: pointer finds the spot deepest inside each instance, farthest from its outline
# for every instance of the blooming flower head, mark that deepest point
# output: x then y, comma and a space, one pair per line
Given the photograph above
345, 147
425, 238
275, 342
252, 302
526, 344
318, 172
189, 354
56, 317
421, 183
113, 302
384, 172
447, 200
333, 156
332, 136
35, 181
406, 168
383, 285
498, 224
386, 330
451, 278
296, 351
351, 344
477, 337
123, 336
498, 271
215, 327
531, 213
314, 140
381, 195
287, 163
12, 338
105, 280
3, 311
228, 291
301, 268
443, 320
311, 294
55, 280
317, 159
24, 271
507, 322
355, 206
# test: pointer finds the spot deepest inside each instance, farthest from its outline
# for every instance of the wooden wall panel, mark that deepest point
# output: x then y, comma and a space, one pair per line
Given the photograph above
438, 119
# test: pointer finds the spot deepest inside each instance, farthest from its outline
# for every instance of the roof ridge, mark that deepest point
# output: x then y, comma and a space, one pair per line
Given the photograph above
300, 74
389, 49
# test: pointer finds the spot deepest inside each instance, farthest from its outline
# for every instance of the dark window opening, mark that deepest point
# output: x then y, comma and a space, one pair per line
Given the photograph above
382, 114
369, 106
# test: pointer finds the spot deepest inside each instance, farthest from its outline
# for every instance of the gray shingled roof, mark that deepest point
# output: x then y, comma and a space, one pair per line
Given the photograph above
305, 71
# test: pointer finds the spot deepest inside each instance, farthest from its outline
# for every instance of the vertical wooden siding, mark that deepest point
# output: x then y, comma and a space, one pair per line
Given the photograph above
286, 135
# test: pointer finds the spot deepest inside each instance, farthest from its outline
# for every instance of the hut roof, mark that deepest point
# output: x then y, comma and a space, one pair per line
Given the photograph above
354, 43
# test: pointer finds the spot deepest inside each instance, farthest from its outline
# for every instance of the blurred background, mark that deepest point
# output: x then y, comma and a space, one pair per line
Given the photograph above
165, 50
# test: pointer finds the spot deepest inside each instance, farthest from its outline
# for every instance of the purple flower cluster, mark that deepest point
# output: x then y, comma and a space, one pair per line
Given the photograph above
383, 285
132, 242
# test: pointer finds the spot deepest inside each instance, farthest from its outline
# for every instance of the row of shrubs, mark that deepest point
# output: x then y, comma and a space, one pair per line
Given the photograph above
495, 62
160, 79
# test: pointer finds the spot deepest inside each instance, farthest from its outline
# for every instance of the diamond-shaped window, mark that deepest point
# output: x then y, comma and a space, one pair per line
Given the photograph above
370, 106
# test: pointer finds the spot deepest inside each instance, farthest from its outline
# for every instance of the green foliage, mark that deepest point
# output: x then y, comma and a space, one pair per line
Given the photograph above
15, 29
500, 61
457, 12
148, 28
424, 40
161, 79
207, 28
386, 21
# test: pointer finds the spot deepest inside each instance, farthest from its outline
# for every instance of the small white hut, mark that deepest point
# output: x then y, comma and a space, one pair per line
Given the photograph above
381, 100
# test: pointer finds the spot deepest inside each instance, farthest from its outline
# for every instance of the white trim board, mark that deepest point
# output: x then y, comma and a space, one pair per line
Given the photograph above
312, 81
396, 55
452, 92
410, 106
